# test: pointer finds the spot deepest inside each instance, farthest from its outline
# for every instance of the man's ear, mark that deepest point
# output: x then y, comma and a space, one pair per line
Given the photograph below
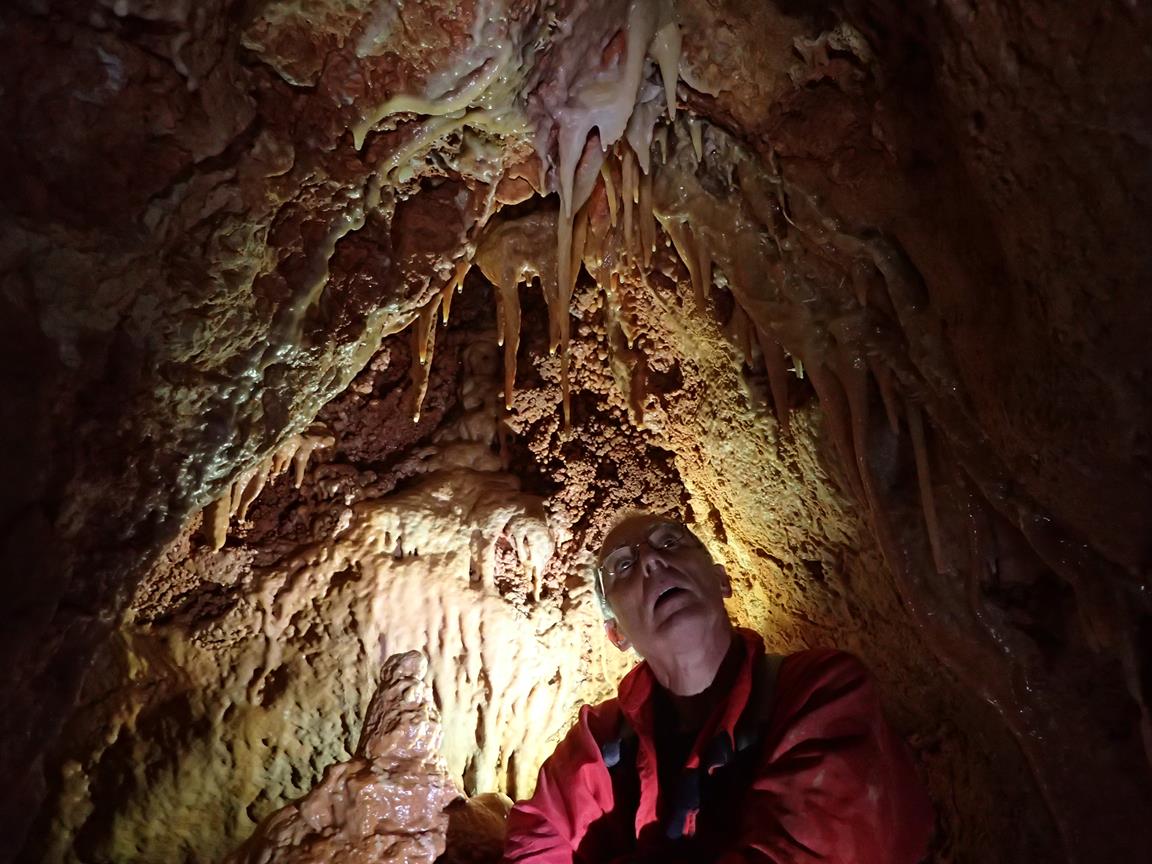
725, 581
616, 635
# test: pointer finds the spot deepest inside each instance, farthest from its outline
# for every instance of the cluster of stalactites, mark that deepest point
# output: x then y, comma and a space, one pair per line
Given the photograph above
243, 491
603, 97
611, 105
628, 172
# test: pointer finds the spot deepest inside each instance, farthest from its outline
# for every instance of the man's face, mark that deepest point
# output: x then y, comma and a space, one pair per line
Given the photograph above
661, 584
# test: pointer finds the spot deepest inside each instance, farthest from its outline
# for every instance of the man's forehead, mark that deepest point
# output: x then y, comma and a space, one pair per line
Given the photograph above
631, 530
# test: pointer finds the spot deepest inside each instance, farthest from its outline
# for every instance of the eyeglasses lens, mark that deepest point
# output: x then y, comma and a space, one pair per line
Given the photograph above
662, 536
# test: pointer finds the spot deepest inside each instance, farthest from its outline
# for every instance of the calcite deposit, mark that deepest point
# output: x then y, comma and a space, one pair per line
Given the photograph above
340, 330
385, 804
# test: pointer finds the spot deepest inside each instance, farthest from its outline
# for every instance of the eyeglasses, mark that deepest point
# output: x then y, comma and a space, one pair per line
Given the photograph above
661, 537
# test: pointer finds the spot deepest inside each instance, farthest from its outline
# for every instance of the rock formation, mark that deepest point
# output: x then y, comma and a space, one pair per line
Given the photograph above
387, 803
333, 331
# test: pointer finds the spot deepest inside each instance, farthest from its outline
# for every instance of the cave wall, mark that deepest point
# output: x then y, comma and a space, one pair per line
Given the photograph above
216, 218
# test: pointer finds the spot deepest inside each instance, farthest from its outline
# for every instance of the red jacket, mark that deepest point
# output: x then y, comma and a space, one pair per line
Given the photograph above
802, 770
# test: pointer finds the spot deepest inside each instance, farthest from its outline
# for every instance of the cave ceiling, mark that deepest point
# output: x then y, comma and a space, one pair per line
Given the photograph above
336, 330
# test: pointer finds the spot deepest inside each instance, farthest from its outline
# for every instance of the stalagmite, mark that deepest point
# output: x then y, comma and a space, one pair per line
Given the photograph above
609, 191
774, 361
924, 477
423, 345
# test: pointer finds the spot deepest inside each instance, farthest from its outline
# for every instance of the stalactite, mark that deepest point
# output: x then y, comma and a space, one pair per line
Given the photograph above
834, 405
704, 265
774, 361
579, 240
609, 191
666, 49
642, 125
251, 490
558, 315
660, 136
924, 476
887, 392
423, 345
740, 329
508, 333
854, 377
680, 233
647, 221
316, 438
604, 105
455, 284
696, 130
630, 193
567, 289
860, 283
242, 492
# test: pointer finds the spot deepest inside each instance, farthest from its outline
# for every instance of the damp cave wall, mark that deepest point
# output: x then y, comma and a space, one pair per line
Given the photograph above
152, 229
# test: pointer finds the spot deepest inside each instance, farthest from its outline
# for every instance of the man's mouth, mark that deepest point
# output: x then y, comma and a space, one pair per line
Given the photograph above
666, 594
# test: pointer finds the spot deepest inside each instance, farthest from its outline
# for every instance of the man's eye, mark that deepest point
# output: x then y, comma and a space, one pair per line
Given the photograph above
622, 568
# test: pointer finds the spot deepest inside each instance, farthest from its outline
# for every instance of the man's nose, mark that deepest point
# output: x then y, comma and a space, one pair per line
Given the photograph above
651, 560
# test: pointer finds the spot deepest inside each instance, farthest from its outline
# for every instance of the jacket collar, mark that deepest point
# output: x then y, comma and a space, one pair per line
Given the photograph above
636, 691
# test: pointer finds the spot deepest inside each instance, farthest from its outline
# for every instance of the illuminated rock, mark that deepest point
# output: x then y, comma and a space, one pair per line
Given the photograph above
387, 803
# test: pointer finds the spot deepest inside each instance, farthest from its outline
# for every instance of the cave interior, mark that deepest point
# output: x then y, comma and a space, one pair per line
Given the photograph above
340, 330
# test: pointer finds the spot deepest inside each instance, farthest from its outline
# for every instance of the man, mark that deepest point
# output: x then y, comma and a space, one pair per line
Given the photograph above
714, 751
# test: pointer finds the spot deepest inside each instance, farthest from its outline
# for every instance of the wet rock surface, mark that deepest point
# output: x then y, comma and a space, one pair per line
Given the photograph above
869, 311
387, 803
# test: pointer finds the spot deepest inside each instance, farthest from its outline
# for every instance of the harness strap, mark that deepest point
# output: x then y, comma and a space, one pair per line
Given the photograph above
620, 753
